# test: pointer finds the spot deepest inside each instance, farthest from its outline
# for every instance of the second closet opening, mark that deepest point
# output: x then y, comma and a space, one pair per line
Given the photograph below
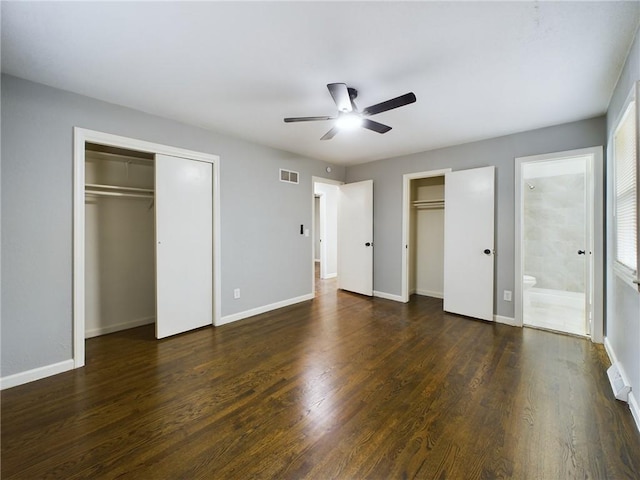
120, 284
426, 237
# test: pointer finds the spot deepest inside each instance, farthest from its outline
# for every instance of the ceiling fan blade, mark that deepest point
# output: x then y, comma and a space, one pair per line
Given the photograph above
340, 95
306, 119
330, 134
375, 126
400, 101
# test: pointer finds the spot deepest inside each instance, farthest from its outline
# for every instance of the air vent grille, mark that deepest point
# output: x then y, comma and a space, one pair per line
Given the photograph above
288, 176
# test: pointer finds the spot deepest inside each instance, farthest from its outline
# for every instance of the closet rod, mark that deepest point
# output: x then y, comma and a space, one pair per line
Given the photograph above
430, 207
118, 194
428, 204
117, 187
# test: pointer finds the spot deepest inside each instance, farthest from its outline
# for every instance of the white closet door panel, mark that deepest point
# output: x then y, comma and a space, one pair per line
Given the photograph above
468, 238
184, 245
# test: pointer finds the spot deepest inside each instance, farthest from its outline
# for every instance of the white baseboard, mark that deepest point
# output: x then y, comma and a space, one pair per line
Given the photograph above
614, 360
234, 317
635, 409
506, 320
330, 275
429, 293
633, 403
609, 349
35, 374
118, 326
388, 296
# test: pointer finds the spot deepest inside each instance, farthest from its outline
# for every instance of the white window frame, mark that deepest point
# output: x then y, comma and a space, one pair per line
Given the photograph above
628, 275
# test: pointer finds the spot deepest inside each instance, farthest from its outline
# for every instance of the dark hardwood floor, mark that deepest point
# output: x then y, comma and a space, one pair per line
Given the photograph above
341, 387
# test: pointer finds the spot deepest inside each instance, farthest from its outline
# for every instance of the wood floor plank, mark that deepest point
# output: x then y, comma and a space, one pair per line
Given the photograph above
343, 387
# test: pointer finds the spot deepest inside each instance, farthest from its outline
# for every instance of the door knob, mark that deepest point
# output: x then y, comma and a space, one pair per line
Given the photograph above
581, 252
487, 251
368, 244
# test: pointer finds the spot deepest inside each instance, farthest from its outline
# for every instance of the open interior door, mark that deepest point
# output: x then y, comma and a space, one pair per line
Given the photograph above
469, 242
184, 244
355, 237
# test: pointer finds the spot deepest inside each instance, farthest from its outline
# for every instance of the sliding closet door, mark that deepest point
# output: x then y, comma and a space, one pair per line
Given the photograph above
184, 245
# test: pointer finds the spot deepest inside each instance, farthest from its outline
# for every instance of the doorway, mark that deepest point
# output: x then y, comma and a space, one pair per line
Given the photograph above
119, 239
423, 206
426, 247
199, 169
325, 228
346, 230
558, 242
466, 252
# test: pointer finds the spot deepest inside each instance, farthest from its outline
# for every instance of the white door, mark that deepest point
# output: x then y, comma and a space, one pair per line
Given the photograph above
468, 239
355, 237
184, 245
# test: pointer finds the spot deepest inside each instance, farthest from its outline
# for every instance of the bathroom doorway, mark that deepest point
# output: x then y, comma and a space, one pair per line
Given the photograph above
556, 244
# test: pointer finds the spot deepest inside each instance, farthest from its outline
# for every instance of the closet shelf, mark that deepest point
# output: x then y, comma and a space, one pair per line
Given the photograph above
117, 191
92, 155
427, 204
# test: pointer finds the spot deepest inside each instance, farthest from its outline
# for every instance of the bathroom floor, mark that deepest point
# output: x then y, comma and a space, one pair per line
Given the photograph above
562, 311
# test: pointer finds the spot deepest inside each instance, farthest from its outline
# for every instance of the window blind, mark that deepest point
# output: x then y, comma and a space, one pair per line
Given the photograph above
626, 198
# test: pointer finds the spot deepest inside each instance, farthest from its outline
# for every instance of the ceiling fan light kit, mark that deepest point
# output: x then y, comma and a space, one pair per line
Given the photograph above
348, 117
349, 121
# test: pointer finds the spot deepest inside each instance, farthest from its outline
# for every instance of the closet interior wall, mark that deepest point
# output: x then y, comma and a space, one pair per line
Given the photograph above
119, 240
426, 264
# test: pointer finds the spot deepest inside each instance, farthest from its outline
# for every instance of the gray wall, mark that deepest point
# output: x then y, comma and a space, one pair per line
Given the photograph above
387, 193
623, 301
263, 253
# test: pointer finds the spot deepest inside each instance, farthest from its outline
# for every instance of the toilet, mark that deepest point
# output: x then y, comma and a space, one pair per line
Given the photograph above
528, 281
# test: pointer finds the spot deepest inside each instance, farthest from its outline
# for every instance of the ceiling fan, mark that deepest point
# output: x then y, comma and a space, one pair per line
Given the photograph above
348, 115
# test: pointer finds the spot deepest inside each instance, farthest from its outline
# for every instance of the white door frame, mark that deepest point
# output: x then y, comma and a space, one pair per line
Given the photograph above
315, 180
595, 189
318, 216
406, 222
80, 137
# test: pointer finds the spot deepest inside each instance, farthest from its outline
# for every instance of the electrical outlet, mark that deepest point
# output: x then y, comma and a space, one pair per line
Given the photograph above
236, 293
507, 295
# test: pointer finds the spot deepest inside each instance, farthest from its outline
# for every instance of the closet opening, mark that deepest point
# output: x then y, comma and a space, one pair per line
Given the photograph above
448, 239
146, 237
119, 239
423, 234
426, 237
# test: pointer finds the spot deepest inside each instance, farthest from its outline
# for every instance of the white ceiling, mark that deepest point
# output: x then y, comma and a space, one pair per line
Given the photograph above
478, 69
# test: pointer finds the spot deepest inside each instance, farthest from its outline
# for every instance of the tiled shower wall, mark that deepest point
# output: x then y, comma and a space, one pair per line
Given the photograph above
554, 219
